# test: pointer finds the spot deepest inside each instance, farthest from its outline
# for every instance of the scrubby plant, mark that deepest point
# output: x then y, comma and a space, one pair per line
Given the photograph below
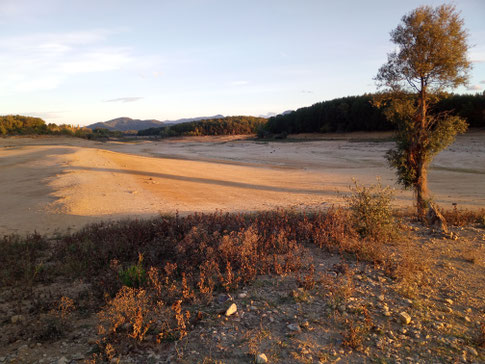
134, 276
372, 212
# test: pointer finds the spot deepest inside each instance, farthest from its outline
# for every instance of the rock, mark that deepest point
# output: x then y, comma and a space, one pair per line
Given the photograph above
472, 351
62, 360
261, 358
23, 348
294, 327
380, 297
231, 310
404, 318
435, 219
15, 319
78, 356
223, 298
242, 295
92, 341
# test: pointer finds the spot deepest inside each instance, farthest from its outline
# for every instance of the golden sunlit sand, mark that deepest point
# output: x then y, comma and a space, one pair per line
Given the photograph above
51, 183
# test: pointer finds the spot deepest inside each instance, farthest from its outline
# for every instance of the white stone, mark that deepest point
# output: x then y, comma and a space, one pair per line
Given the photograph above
261, 358
231, 310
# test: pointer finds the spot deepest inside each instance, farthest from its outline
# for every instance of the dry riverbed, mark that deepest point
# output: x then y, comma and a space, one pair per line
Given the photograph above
51, 183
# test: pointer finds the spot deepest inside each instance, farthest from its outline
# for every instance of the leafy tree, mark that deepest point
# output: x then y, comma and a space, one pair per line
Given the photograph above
431, 57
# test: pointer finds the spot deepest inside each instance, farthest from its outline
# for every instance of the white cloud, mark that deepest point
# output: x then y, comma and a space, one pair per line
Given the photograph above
125, 99
239, 83
474, 88
477, 56
482, 82
45, 61
45, 114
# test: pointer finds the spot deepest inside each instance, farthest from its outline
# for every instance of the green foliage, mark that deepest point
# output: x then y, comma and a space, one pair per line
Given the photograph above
339, 115
27, 125
135, 275
371, 209
231, 125
358, 113
431, 56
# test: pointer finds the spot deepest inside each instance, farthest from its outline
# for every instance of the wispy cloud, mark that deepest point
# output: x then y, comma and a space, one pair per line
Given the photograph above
45, 114
125, 99
482, 82
477, 56
45, 61
474, 88
306, 91
239, 83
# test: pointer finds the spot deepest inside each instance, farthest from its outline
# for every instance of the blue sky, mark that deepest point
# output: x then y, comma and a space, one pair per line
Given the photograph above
80, 62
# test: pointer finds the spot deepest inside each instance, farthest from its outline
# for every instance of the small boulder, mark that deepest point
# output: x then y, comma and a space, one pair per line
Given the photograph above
231, 310
261, 358
405, 318
294, 327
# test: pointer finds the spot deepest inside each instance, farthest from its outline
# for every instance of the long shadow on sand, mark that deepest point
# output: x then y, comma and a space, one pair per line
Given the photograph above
208, 181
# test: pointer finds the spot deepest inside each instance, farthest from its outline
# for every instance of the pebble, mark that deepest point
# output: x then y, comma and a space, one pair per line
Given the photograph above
472, 351
261, 358
405, 318
380, 297
17, 319
231, 310
242, 295
62, 360
449, 301
294, 327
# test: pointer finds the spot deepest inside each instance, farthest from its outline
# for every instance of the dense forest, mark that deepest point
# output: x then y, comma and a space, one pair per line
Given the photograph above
353, 113
229, 125
27, 125
356, 113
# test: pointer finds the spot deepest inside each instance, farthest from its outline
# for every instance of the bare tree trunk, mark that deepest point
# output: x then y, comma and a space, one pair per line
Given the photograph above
421, 189
421, 185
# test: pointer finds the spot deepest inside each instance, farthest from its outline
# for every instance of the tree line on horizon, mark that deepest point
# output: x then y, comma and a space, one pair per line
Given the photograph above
229, 125
345, 114
29, 125
358, 113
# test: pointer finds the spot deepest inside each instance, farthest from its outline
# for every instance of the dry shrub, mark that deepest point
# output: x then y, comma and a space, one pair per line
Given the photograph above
371, 209
463, 217
130, 310
55, 324
337, 290
357, 330
20, 259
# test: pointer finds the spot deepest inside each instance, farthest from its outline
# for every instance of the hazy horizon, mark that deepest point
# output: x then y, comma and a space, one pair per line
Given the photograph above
90, 61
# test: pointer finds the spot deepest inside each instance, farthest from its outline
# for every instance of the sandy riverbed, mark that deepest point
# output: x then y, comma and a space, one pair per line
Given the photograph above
49, 184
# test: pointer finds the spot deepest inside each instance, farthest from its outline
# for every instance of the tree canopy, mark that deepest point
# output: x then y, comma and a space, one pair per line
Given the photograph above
431, 57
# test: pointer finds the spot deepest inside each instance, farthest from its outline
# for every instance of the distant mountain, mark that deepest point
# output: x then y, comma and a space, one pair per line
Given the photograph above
125, 124
271, 114
172, 122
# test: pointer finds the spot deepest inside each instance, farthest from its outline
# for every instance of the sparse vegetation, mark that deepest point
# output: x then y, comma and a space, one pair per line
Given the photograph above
174, 268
